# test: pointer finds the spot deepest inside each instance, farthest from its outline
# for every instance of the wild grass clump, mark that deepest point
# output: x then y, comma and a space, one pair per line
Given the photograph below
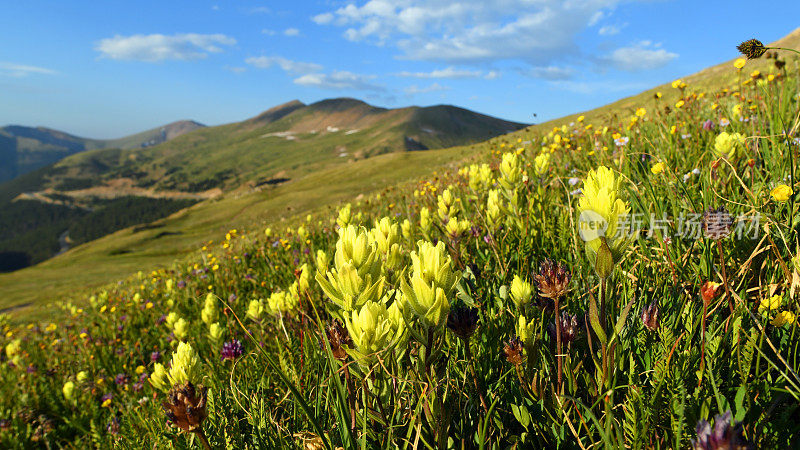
623, 284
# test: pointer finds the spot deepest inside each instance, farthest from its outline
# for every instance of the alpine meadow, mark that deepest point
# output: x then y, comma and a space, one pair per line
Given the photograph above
336, 275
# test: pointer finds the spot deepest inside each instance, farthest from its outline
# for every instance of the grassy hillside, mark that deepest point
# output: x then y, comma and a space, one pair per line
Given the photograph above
285, 142
279, 145
115, 256
708, 80
24, 149
629, 283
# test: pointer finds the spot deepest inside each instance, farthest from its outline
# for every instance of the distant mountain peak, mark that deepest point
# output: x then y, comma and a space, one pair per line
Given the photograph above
278, 112
341, 104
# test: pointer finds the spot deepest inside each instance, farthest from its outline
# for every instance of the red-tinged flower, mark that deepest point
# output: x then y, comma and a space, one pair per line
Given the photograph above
650, 316
186, 406
725, 435
339, 340
709, 290
513, 350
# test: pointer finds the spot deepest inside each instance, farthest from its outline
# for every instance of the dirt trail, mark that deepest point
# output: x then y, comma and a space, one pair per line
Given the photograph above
119, 187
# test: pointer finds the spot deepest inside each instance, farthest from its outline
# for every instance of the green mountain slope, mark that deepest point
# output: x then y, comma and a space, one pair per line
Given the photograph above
709, 79
24, 149
284, 142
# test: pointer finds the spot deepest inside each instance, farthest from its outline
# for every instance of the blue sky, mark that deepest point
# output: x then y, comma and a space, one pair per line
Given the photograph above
111, 68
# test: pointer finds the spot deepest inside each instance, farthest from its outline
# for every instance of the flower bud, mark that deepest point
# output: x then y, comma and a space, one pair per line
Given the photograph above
525, 330
521, 291
216, 332
68, 390
709, 290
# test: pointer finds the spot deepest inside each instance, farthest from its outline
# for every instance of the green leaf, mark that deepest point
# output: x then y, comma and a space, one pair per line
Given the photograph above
604, 264
623, 316
595, 321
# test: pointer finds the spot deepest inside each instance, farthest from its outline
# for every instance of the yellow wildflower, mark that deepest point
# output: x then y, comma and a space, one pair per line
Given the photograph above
781, 193
770, 304
658, 168
783, 318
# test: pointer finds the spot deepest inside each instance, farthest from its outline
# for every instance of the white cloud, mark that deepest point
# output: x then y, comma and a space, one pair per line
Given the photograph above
235, 69
323, 19
160, 47
23, 70
268, 32
609, 30
260, 10
643, 55
449, 72
435, 87
291, 32
539, 32
550, 73
292, 67
339, 80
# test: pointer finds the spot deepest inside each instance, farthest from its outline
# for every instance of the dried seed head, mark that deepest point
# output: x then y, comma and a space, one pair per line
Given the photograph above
463, 321
186, 406
752, 49
553, 279
569, 328
338, 340
514, 351
717, 223
650, 316
726, 434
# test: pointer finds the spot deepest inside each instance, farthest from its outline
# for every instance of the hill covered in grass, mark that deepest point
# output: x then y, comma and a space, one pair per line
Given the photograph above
25, 149
285, 142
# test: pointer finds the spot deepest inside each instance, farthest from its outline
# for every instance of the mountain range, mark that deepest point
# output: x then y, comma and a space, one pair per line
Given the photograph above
104, 186
24, 149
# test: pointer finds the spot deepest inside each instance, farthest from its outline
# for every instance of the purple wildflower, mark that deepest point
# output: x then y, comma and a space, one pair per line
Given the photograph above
231, 350
121, 379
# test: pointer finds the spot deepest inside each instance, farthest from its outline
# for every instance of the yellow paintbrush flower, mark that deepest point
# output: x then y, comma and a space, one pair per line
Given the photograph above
600, 210
521, 291
432, 281
541, 163
726, 144
525, 329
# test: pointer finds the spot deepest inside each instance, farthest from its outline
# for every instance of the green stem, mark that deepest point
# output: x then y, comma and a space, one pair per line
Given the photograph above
471, 363
783, 48
202, 437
